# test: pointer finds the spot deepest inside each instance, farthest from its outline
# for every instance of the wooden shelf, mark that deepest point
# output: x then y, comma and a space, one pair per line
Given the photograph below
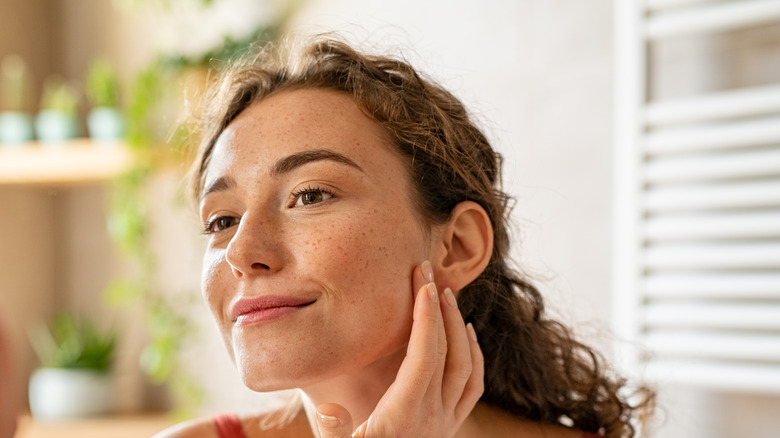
74, 162
119, 426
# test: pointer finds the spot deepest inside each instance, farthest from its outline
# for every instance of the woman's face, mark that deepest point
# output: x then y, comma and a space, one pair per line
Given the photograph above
312, 239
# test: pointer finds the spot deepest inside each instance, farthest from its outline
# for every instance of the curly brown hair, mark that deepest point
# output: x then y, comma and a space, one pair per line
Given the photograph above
534, 367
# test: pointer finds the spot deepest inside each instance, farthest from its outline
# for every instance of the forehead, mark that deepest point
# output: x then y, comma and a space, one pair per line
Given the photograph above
292, 121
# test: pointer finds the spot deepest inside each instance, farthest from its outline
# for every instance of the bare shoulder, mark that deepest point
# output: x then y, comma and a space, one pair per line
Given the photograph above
254, 426
499, 423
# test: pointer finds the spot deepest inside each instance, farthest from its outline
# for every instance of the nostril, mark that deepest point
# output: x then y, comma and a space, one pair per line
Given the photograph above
260, 266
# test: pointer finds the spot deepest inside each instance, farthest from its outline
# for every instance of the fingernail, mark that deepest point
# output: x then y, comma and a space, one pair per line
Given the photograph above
361, 431
433, 293
329, 421
427, 271
472, 333
450, 298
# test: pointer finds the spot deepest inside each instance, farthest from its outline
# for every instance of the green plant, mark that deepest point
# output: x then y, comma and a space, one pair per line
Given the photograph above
148, 112
167, 325
13, 83
153, 143
73, 342
151, 108
59, 95
102, 84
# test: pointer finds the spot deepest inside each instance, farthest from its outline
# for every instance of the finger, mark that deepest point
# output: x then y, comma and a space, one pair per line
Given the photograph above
458, 368
423, 352
333, 421
421, 275
475, 385
442, 348
434, 384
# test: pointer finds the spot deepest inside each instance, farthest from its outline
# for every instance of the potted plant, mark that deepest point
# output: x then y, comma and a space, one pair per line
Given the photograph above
58, 120
16, 125
105, 121
75, 378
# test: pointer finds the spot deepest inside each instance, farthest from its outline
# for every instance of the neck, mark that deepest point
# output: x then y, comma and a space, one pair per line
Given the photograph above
359, 391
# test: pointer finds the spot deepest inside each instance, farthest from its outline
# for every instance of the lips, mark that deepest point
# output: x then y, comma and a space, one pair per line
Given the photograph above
265, 308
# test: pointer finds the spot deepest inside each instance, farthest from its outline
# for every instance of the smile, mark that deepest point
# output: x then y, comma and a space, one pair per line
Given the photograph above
266, 308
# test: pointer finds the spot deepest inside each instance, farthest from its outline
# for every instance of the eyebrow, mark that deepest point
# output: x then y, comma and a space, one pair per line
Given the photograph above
291, 162
219, 185
285, 165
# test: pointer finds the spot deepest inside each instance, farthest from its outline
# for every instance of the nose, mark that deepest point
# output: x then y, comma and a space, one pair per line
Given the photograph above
254, 249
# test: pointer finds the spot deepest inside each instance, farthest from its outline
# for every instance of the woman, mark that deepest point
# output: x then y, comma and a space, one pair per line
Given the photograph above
355, 221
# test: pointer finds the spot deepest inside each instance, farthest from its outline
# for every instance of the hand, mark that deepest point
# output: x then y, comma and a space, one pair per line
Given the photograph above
438, 384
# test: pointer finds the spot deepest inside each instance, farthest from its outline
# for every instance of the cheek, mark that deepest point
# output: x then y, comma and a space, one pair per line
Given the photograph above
212, 281
214, 287
368, 253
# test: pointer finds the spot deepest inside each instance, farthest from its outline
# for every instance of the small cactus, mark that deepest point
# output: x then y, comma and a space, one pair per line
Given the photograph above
13, 83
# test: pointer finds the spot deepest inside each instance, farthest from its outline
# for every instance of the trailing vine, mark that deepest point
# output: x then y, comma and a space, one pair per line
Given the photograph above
150, 113
129, 225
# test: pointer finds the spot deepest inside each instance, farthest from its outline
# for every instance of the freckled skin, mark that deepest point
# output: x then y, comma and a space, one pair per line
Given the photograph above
352, 253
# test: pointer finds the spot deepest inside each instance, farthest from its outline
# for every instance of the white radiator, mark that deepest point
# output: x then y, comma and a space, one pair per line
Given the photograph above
697, 203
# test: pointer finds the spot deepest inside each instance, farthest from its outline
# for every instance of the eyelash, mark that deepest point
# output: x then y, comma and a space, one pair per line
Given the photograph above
208, 227
295, 196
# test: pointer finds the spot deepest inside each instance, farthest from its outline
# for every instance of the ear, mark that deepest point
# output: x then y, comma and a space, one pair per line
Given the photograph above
465, 247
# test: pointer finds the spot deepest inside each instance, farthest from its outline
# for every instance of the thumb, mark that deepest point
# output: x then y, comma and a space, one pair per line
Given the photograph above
333, 421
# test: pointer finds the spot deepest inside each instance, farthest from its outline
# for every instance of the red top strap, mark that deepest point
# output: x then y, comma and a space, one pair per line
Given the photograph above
228, 426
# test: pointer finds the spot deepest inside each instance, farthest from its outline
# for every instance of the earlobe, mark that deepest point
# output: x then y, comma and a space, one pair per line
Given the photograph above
467, 244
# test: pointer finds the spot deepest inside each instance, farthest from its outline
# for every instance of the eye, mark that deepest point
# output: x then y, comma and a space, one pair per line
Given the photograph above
310, 196
219, 224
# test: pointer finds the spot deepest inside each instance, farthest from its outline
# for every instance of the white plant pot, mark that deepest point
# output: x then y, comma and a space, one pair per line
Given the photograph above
55, 127
105, 124
16, 128
62, 393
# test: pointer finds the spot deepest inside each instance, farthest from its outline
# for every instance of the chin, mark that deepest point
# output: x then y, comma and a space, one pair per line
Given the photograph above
260, 380
265, 386
265, 369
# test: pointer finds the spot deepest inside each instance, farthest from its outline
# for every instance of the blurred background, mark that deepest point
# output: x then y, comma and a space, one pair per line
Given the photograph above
641, 143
